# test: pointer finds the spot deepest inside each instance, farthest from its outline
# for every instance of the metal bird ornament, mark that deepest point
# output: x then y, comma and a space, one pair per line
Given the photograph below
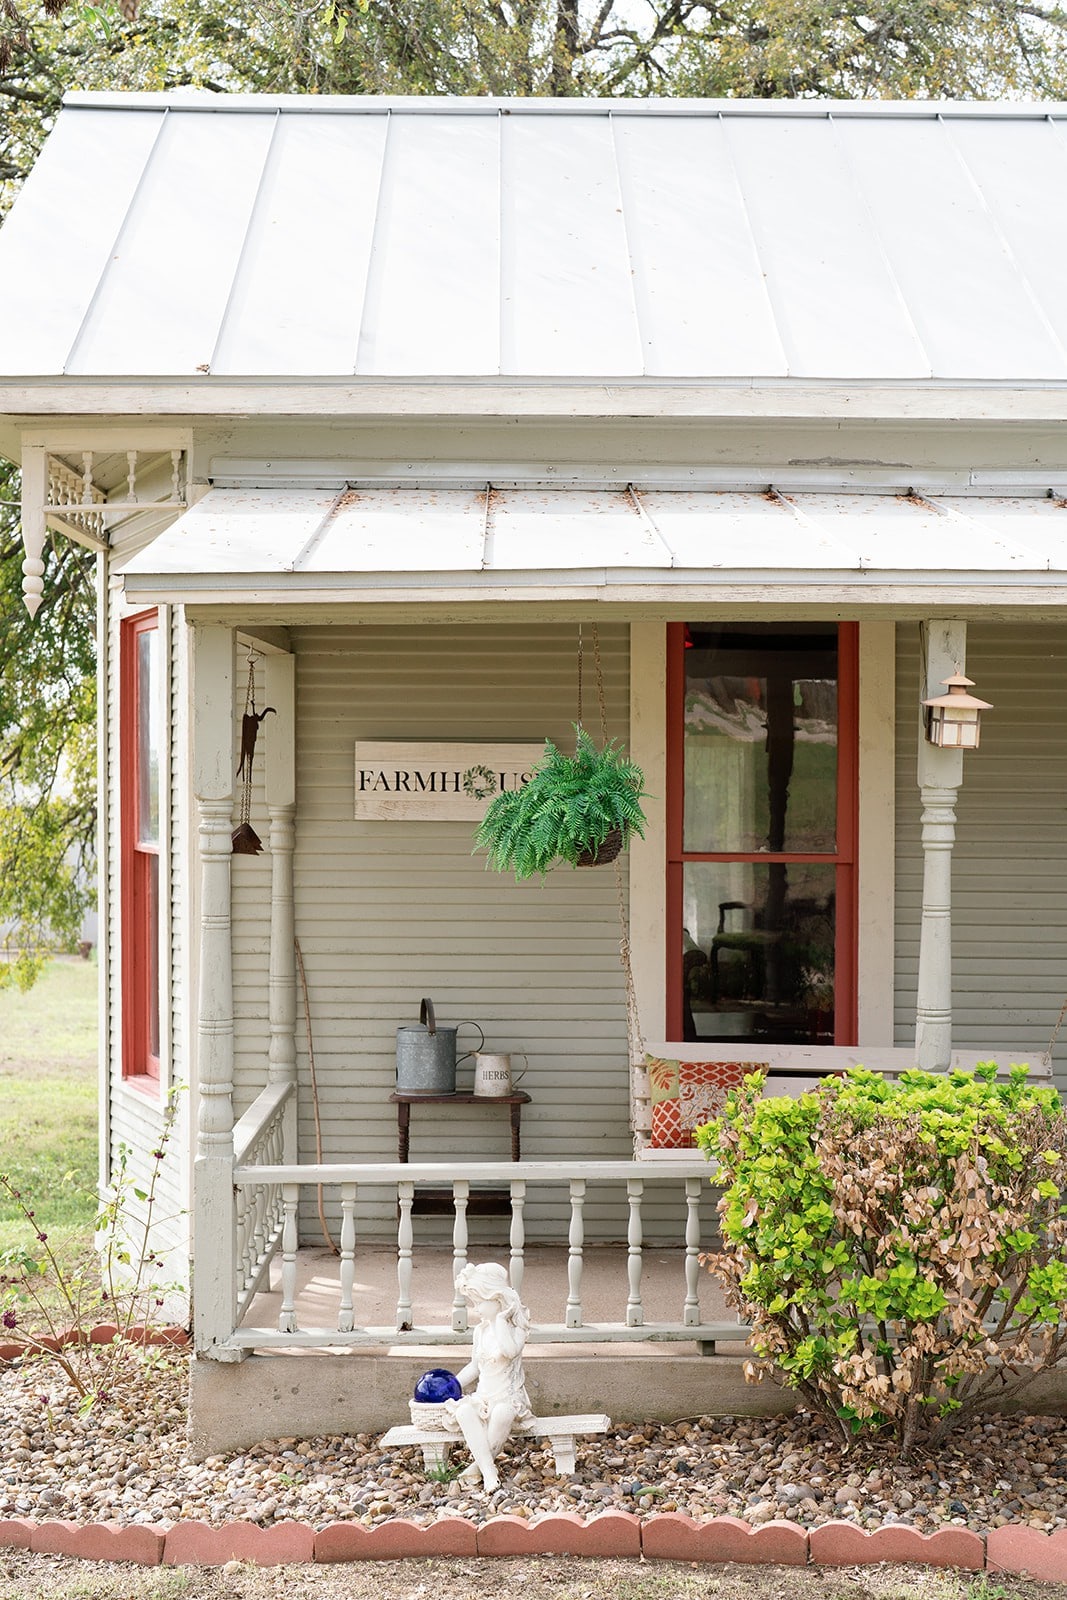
245, 841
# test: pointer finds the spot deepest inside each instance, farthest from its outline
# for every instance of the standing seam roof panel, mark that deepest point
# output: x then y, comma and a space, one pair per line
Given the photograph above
838, 308
167, 286
1021, 170
50, 268
973, 306
434, 276
567, 300
298, 295
701, 297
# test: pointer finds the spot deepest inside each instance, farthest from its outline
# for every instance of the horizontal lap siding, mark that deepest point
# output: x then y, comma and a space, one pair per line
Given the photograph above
390, 911
1009, 866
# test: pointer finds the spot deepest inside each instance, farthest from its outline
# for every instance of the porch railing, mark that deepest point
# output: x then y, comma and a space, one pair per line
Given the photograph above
258, 1141
268, 1195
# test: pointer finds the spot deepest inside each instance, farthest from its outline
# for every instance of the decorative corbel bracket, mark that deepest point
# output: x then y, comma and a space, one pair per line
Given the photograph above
58, 495
34, 498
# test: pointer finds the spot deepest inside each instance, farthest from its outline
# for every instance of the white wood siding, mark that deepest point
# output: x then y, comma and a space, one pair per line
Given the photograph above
390, 911
1009, 868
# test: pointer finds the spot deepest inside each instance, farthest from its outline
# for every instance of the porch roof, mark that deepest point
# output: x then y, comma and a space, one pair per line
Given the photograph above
300, 238
424, 542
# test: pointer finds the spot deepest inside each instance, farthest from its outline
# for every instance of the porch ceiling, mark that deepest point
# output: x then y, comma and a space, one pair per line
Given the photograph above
427, 543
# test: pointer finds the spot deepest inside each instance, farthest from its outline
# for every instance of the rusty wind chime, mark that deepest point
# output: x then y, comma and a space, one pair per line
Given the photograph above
245, 840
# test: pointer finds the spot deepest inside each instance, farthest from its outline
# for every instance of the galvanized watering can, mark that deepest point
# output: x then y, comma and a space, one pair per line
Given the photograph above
426, 1054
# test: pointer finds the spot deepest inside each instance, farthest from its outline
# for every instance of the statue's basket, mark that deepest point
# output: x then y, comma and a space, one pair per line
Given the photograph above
428, 1414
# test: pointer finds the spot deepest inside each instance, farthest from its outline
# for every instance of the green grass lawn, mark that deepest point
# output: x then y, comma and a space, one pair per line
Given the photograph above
48, 1095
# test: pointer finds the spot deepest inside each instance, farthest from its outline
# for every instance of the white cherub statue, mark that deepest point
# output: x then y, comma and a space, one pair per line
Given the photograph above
486, 1417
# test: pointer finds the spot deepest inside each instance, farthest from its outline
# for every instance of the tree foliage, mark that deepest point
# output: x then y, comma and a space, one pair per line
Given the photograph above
47, 739
888, 48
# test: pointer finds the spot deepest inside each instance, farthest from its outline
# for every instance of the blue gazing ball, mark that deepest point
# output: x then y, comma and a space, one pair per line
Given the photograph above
436, 1385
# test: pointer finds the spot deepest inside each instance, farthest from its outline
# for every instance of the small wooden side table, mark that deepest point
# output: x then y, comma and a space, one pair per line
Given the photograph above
404, 1103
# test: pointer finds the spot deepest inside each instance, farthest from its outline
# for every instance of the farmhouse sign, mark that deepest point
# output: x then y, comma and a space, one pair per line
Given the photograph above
437, 782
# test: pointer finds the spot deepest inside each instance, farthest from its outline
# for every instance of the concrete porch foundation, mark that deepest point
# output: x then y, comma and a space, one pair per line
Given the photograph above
300, 1393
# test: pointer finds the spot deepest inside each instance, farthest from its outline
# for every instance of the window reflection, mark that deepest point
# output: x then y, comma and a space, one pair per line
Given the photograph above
760, 738
758, 951
149, 735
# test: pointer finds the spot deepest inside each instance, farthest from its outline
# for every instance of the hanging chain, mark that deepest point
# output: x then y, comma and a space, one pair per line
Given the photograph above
600, 684
1047, 1057
634, 1037
579, 674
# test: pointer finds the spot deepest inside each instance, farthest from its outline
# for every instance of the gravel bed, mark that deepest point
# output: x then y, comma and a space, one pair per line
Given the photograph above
128, 1462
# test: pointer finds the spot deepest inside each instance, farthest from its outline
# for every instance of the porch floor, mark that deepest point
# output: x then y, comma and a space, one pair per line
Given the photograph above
604, 1290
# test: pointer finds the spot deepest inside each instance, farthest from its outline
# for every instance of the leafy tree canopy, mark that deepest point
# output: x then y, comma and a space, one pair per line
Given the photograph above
764, 48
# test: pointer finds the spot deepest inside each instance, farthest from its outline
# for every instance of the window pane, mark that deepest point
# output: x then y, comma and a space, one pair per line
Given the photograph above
760, 738
149, 718
152, 975
758, 951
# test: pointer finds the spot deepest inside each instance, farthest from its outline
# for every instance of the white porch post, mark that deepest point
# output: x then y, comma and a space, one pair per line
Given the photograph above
280, 793
940, 773
214, 1216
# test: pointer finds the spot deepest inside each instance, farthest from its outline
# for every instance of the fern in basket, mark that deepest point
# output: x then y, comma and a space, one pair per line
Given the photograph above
580, 809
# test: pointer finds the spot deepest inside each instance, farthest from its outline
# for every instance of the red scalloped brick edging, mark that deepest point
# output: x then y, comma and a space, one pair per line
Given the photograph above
197, 1544
101, 1333
396, 1540
667, 1536
1018, 1548
561, 1533
842, 1544
672, 1536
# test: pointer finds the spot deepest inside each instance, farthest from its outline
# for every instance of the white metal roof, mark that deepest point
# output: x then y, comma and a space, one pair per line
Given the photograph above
244, 236
292, 543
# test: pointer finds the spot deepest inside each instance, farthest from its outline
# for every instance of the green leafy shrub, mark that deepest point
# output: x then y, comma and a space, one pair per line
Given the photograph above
900, 1247
565, 811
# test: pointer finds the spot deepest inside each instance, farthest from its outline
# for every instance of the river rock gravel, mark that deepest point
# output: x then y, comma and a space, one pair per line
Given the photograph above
127, 1460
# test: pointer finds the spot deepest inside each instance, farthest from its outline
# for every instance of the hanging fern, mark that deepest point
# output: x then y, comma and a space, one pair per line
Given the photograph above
567, 809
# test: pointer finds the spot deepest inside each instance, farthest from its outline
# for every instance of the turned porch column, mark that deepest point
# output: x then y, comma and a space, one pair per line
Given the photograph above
280, 794
214, 1218
940, 773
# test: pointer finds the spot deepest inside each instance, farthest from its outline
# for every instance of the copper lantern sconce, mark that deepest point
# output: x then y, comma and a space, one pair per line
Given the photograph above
953, 719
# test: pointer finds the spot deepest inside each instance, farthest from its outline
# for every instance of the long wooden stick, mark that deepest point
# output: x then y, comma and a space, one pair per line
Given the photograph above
326, 1234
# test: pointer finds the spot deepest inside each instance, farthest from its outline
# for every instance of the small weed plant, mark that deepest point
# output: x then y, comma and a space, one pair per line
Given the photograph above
50, 1308
900, 1247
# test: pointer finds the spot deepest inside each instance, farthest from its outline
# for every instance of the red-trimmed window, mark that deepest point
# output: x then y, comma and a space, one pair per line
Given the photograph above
140, 748
761, 832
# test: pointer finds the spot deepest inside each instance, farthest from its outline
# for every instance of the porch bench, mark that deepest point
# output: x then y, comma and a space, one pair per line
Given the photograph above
793, 1069
561, 1433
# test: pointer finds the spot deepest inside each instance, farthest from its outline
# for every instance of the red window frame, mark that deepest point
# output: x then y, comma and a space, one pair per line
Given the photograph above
843, 861
139, 872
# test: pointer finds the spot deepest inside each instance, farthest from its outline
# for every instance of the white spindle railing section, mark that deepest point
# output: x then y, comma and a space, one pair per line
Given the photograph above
269, 1192
259, 1142
76, 499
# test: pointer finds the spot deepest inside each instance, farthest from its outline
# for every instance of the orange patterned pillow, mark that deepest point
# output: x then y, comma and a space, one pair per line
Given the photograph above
686, 1093
704, 1085
667, 1131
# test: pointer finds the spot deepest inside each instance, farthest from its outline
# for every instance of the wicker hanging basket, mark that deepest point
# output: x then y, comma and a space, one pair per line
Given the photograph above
605, 852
